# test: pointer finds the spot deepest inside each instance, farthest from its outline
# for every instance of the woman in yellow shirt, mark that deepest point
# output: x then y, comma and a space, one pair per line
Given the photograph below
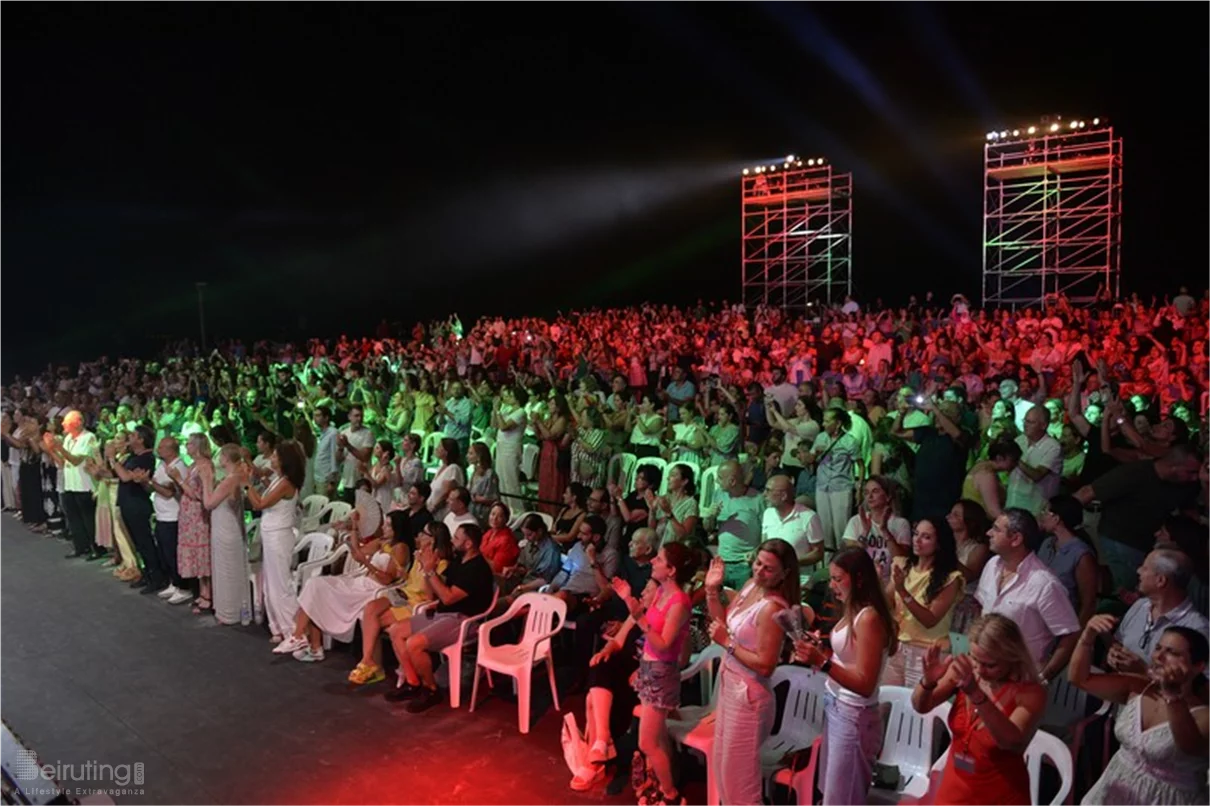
923, 590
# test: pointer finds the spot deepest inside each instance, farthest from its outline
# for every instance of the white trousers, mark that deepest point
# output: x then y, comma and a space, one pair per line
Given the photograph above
281, 604
508, 471
8, 487
743, 719
834, 510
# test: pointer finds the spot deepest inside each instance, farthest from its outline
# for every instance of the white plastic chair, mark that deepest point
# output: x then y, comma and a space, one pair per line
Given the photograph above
693, 466
544, 620
546, 517
331, 512
1046, 744
308, 549
453, 652
801, 716
312, 505
428, 448
620, 470
654, 461
530, 454
1067, 714
705, 666
707, 483
908, 743
252, 538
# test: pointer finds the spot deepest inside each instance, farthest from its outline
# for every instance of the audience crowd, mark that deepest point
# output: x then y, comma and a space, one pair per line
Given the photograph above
977, 505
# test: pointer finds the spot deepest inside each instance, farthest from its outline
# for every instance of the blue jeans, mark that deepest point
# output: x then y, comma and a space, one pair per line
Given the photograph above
852, 739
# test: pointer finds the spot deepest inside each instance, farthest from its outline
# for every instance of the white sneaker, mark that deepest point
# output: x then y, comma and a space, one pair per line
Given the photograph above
308, 655
168, 592
290, 645
180, 597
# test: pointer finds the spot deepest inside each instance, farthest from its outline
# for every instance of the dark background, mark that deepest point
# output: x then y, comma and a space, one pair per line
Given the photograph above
322, 167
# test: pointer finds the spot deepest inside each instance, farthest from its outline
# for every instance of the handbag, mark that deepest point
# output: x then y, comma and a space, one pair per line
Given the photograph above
575, 746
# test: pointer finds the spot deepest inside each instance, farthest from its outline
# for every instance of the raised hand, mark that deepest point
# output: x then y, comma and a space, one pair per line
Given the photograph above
1101, 624
715, 574
934, 665
899, 577
621, 587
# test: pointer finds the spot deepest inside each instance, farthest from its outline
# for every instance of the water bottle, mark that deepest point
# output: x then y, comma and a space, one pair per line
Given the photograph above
245, 618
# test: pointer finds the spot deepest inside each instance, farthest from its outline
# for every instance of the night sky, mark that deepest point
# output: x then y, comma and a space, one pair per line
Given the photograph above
322, 167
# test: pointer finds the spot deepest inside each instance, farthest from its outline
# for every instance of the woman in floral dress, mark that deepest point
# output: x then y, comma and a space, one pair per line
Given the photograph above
193, 541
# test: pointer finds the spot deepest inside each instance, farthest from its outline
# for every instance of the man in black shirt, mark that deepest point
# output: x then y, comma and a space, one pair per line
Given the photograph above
465, 591
418, 516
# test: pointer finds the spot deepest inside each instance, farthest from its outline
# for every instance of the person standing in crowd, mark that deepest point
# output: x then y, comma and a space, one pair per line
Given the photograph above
165, 497
135, 506
411, 469
861, 642
743, 624
982, 483
193, 538
1163, 602
508, 418
326, 465
1016, 584
1069, 554
925, 586
735, 515
1035, 479
877, 528
229, 554
839, 469
354, 444
940, 458
449, 476
279, 517
794, 523
456, 411
998, 705
79, 446
484, 485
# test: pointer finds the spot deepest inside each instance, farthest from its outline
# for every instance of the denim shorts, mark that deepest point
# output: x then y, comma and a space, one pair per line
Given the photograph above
659, 684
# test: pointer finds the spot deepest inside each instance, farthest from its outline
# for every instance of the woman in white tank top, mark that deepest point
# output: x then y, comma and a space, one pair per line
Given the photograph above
279, 516
861, 641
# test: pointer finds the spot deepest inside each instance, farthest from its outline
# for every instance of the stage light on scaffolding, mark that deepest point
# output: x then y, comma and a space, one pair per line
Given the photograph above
1075, 124
772, 167
1016, 132
819, 160
745, 172
1054, 127
798, 163
1003, 135
1031, 130
1096, 121
810, 163
991, 136
789, 158
1081, 124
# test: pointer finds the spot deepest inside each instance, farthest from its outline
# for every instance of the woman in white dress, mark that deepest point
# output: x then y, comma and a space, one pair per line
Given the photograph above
411, 469
279, 517
449, 475
228, 553
509, 420
333, 604
1163, 724
384, 475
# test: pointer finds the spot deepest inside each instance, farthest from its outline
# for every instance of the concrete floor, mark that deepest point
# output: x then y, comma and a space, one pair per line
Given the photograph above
92, 671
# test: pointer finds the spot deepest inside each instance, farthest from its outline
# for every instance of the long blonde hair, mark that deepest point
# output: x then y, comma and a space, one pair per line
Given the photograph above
1000, 637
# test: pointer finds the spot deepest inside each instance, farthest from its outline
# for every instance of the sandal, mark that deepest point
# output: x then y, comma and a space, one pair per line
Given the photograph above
365, 674
202, 606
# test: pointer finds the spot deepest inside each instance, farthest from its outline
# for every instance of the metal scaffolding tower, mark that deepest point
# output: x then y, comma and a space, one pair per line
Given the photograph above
1052, 212
797, 234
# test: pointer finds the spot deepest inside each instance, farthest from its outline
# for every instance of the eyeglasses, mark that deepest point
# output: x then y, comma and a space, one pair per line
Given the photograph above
1148, 629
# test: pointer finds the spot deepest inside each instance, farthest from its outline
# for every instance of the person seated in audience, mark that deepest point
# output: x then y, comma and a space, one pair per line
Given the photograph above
674, 516
1163, 602
1016, 584
566, 529
449, 476
576, 580
465, 590
458, 512
633, 507
538, 561
998, 706
500, 547
397, 604
1163, 725
418, 516
333, 604
1186, 534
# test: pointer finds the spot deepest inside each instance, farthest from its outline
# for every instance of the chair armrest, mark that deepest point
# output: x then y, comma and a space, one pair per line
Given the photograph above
697, 664
424, 607
507, 615
316, 565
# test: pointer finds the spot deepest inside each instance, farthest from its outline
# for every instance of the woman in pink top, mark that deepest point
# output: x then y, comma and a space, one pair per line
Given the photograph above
665, 629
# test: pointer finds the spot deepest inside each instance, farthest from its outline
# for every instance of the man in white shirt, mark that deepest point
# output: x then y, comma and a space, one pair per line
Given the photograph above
354, 444
326, 468
786, 394
167, 505
794, 523
459, 513
1036, 478
1017, 585
79, 508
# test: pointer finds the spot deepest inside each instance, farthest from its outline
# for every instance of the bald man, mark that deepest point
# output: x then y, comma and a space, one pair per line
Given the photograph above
79, 507
794, 523
736, 514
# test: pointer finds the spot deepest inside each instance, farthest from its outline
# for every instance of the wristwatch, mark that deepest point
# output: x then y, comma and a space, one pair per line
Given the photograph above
826, 666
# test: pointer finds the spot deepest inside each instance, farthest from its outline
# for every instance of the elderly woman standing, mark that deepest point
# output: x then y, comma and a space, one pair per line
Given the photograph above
193, 539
